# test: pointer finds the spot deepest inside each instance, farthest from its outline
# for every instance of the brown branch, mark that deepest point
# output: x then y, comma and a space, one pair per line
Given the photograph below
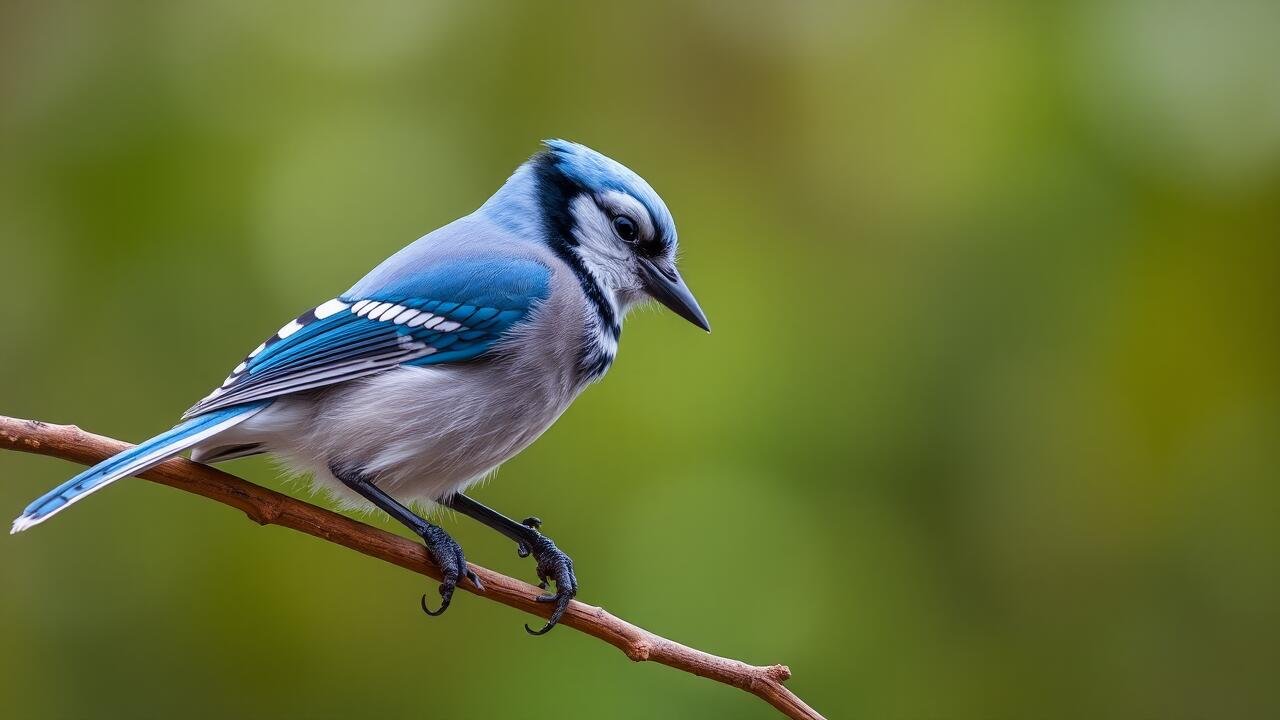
267, 507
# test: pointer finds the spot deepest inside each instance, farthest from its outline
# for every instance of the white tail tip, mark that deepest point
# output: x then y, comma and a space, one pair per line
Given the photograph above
21, 524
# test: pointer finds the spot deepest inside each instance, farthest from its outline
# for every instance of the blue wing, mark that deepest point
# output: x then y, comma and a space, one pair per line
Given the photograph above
449, 312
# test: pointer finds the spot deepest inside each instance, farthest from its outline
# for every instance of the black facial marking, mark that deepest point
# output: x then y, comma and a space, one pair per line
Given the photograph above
555, 194
651, 248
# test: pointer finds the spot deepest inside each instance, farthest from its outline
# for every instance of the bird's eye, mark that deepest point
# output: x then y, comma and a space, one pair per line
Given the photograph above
626, 228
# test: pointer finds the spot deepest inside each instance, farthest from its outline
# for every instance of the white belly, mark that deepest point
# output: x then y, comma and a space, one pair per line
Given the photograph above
418, 433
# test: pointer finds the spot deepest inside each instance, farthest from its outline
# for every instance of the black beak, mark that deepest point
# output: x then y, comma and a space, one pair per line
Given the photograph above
667, 287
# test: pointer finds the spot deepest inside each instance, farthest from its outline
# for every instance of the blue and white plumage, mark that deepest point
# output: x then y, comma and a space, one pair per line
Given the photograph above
449, 357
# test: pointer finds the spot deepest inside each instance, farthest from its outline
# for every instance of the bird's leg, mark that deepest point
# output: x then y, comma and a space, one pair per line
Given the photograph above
445, 550
553, 564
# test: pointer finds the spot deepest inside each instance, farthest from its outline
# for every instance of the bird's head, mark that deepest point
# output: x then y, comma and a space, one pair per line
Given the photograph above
616, 226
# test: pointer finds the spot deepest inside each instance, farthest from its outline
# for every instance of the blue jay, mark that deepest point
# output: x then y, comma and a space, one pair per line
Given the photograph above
446, 360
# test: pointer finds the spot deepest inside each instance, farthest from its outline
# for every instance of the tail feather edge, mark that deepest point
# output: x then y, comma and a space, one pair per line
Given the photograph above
133, 461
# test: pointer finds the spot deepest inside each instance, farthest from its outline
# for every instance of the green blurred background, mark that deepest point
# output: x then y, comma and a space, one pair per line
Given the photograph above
987, 427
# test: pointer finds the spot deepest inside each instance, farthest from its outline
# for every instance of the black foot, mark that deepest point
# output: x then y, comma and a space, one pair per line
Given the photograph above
555, 566
453, 566
530, 522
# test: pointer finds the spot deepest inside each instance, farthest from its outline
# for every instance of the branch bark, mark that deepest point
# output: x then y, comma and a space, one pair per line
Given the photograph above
267, 507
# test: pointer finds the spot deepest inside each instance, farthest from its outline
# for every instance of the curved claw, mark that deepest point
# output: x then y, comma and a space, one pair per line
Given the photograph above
562, 604
446, 593
452, 564
554, 566
443, 605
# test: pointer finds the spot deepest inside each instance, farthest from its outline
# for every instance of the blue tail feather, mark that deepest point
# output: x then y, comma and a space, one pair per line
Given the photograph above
134, 460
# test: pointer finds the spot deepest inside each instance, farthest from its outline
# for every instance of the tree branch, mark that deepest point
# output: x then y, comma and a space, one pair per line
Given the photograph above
267, 507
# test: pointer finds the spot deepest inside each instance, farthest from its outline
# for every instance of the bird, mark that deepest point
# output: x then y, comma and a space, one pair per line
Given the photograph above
444, 361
